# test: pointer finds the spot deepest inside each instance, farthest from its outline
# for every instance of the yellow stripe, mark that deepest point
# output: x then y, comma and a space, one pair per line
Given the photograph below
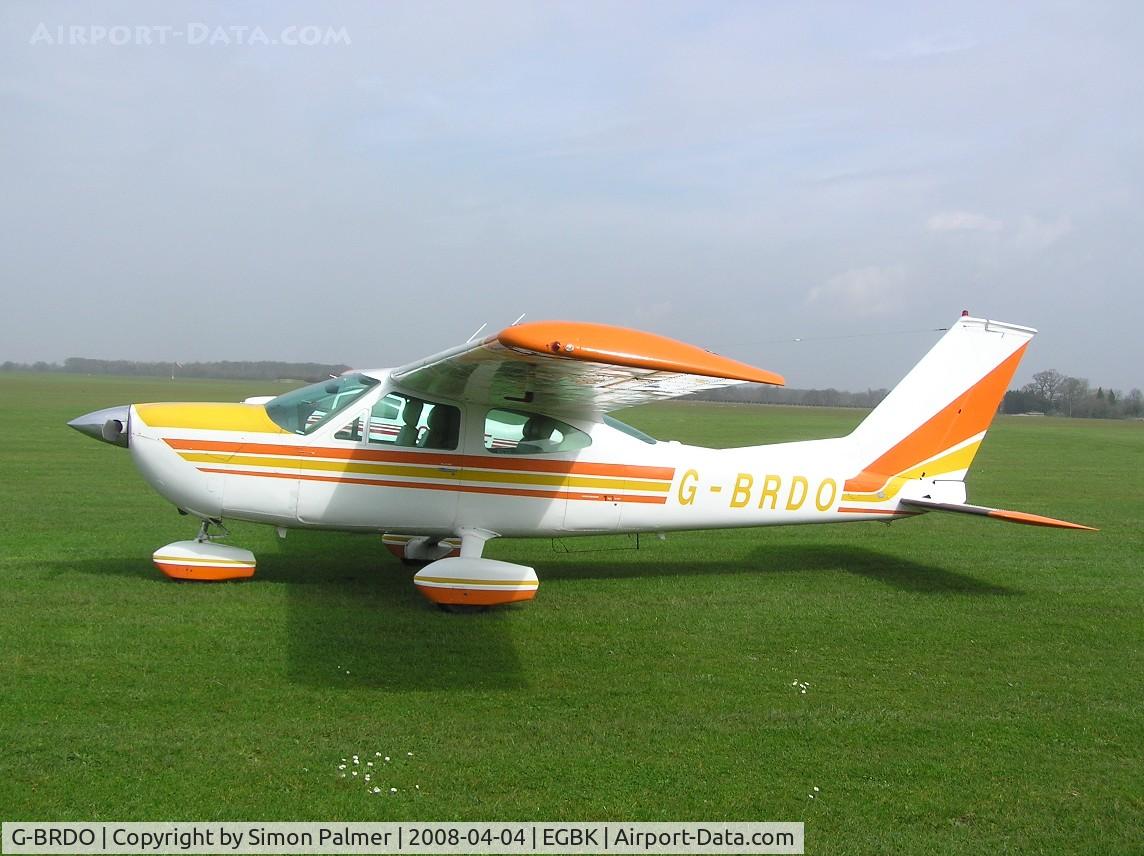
950, 462
429, 472
469, 582
189, 560
219, 417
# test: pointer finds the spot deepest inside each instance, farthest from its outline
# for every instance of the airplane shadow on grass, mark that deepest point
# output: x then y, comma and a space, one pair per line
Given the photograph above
354, 618
370, 627
372, 619
887, 568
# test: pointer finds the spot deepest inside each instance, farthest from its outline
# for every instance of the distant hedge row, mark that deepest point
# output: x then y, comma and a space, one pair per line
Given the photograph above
224, 370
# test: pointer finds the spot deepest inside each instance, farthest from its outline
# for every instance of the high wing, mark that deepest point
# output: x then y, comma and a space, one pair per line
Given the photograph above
574, 368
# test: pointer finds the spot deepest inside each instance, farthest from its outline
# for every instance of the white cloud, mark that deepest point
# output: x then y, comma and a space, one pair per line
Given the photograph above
1027, 234
866, 292
1034, 235
931, 45
963, 221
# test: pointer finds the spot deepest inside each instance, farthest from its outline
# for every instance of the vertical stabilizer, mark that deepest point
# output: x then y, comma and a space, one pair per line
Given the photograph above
931, 425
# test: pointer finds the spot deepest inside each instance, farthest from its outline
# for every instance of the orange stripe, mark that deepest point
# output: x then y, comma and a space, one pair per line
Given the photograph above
966, 416
474, 597
188, 570
428, 459
887, 511
622, 346
497, 491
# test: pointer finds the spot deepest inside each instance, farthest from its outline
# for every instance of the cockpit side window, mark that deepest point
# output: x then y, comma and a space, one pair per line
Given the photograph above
402, 420
518, 432
302, 411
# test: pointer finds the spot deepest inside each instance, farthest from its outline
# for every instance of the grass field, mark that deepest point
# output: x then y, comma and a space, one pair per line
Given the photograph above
973, 687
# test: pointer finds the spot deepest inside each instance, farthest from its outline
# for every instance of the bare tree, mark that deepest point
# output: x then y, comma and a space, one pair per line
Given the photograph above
1134, 403
1046, 386
1072, 390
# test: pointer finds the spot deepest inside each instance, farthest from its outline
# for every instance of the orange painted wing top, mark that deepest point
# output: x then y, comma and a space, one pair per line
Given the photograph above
571, 366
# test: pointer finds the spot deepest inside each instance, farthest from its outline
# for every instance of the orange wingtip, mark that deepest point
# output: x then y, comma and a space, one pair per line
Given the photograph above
1037, 520
622, 346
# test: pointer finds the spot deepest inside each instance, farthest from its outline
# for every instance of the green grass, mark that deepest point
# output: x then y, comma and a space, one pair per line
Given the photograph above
973, 686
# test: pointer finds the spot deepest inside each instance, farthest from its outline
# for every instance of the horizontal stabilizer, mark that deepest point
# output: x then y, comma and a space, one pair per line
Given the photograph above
997, 513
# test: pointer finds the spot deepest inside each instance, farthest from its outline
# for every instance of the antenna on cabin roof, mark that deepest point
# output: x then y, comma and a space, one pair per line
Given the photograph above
519, 318
477, 332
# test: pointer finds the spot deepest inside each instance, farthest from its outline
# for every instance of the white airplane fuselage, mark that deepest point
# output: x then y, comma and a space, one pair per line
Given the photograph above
618, 483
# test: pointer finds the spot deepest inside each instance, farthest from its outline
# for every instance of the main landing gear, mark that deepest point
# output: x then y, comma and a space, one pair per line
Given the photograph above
461, 583
203, 559
454, 576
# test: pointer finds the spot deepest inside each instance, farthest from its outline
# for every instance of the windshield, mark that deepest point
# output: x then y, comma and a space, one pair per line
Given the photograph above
628, 429
304, 410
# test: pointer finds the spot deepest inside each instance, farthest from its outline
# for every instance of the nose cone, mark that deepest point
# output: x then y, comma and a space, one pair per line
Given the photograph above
109, 425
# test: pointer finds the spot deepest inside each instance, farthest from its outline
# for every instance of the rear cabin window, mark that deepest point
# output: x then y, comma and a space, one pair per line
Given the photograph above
517, 432
402, 420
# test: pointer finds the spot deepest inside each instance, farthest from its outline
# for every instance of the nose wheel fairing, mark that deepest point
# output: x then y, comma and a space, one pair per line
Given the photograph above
204, 560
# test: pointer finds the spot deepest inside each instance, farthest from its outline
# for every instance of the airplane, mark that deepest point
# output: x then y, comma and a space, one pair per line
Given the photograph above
512, 435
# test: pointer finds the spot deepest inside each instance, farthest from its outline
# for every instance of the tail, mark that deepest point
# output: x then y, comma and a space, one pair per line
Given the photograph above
916, 447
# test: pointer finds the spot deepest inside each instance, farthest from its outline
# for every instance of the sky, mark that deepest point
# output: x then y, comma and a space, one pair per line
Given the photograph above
814, 188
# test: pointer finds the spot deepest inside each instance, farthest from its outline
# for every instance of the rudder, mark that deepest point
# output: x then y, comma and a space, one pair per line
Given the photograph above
932, 423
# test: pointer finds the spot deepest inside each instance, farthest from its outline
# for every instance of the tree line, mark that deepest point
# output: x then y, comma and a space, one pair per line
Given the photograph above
221, 370
1050, 391
1061, 395
749, 393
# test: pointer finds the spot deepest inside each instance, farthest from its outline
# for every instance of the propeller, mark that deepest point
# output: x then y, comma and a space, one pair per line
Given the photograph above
109, 425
